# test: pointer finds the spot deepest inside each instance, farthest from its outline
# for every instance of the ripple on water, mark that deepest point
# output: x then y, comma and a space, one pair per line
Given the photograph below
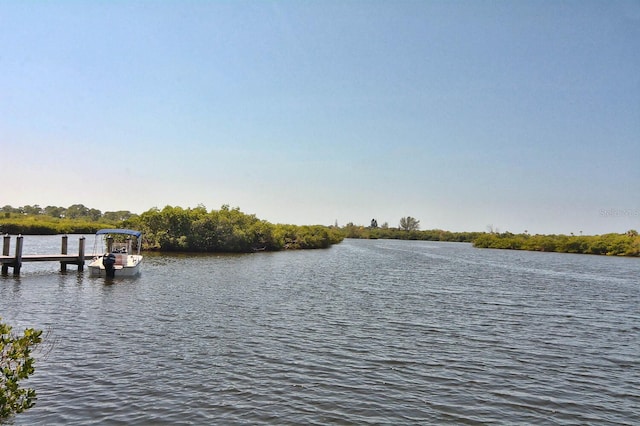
368, 332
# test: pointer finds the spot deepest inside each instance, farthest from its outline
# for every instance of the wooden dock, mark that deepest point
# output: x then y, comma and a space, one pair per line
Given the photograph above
7, 261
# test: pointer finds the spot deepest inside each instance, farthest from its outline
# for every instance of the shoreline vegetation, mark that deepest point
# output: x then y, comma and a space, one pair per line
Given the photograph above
227, 230
627, 244
230, 230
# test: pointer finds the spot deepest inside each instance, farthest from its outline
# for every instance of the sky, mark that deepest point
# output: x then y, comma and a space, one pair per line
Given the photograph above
466, 115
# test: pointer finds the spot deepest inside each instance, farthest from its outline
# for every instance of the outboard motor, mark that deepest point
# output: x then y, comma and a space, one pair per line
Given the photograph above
108, 261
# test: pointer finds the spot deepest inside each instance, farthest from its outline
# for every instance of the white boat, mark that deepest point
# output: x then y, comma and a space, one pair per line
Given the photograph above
119, 259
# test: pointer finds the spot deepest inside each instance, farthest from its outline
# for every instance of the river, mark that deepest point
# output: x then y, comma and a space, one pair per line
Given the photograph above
367, 332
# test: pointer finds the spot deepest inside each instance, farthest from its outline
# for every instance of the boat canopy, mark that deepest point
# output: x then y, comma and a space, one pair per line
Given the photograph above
136, 234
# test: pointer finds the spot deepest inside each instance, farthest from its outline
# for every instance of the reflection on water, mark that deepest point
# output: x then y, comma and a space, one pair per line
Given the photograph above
367, 332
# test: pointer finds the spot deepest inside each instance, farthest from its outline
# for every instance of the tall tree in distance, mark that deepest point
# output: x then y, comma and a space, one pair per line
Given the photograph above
409, 224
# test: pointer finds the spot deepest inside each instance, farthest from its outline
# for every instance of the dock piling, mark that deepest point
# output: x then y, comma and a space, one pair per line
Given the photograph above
6, 245
63, 250
81, 254
18, 258
7, 261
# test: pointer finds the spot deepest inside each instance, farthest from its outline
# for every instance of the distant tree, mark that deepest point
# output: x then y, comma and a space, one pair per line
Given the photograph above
117, 216
33, 210
374, 223
54, 211
76, 211
632, 233
409, 224
94, 214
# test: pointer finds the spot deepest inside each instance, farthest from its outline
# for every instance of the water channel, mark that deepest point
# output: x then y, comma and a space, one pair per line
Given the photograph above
367, 332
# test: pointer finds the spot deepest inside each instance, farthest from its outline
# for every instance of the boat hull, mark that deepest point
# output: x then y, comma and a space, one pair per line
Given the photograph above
126, 266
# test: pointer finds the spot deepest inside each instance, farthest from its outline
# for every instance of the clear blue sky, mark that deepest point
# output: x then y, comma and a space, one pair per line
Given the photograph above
524, 115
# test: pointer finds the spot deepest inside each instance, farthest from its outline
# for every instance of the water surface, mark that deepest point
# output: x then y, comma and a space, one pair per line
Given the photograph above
367, 332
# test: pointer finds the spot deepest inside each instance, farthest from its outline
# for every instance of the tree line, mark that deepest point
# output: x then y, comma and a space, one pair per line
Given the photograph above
231, 230
406, 233
174, 228
75, 211
51, 220
225, 230
612, 244
627, 244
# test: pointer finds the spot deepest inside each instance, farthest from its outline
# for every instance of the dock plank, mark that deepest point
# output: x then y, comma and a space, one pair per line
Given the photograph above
16, 261
45, 258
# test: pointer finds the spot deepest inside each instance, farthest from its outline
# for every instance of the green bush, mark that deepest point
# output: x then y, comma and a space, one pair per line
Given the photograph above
16, 364
225, 230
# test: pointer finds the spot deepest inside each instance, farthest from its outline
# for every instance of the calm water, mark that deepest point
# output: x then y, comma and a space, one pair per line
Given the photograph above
367, 332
